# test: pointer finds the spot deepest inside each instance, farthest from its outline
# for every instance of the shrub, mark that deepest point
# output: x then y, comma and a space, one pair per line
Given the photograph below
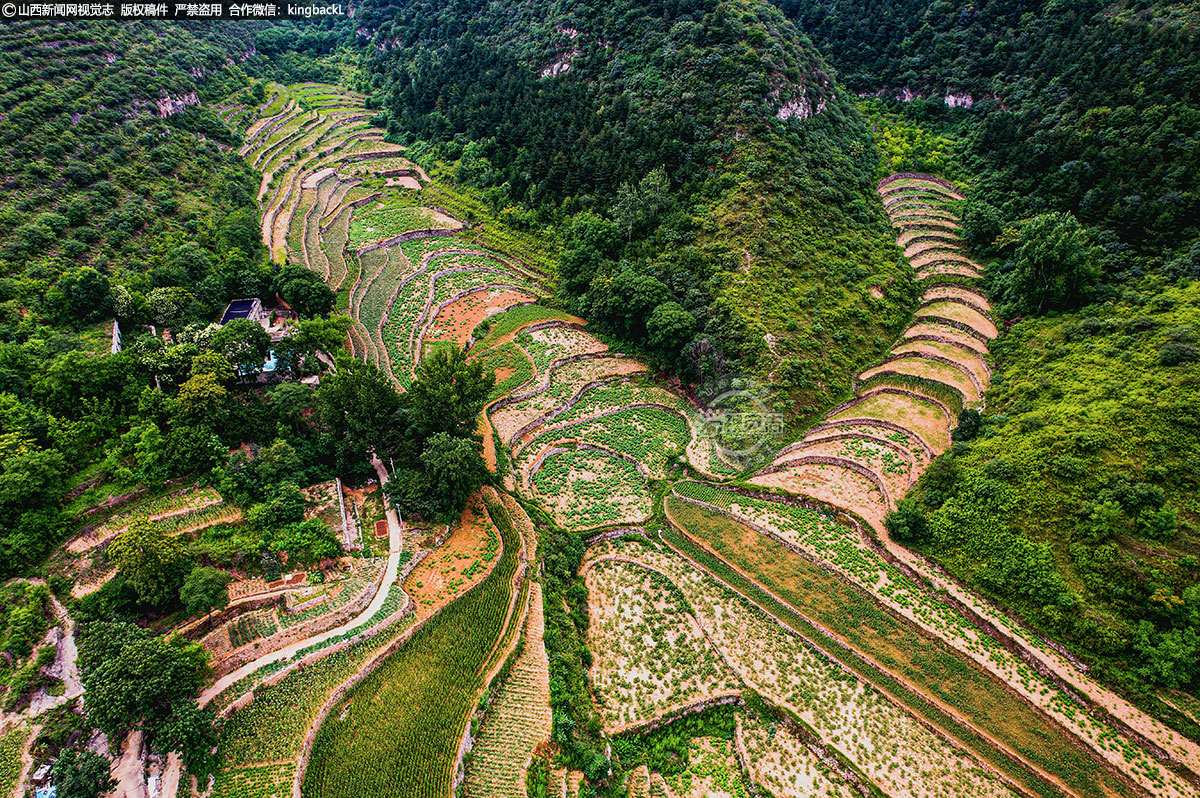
906, 524
1175, 353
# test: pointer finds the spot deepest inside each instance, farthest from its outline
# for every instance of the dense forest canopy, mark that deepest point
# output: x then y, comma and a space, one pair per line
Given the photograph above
1083, 106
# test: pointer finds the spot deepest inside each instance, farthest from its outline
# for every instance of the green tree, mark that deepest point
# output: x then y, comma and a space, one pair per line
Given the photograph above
360, 409
448, 394
906, 524
204, 591
451, 470
82, 774
243, 343
240, 230
192, 731
149, 559
1054, 267
133, 678
306, 542
171, 306
981, 226
640, 204
89, 292
669, 329
201, 397
304, 290
633, 297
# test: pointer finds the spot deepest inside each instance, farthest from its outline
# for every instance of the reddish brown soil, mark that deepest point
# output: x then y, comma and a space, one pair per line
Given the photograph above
456, 321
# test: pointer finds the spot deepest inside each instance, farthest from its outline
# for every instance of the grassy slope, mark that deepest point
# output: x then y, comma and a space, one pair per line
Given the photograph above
1080, 404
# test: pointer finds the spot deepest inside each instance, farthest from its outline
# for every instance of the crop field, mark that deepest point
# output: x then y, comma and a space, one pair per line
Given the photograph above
12, 743
928, 328
841, 548
343, 592
515, 318
918, 669
892, 467
458, 564
967, 358
513, 369
611, 395
778, 760
551, 344
271, 780
920, 415
175, 511
651, 435
893, 750
835, 484
518, 720
711, 770
390, 221
404, 708
273, 727
960, 313
565, 382
650, 653
953, 291
586, 489
458, 320
252, 626
333, 243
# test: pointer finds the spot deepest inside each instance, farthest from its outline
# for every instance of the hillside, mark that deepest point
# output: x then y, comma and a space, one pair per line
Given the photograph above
737, 176
1072, 501
602, 400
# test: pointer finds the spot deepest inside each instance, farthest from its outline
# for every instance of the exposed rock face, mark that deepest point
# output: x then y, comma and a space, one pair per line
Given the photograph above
798, 105
800, 108
952, 99
168, 105
561, 66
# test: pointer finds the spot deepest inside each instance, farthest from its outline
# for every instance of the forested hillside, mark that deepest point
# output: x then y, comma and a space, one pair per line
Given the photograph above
1081, 106
361, 383
1073, 498
709, 182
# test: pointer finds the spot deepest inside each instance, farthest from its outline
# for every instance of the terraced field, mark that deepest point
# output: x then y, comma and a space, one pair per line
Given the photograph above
905, 685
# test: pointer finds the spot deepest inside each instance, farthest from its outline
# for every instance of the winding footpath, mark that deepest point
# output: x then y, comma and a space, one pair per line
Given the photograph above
389, 576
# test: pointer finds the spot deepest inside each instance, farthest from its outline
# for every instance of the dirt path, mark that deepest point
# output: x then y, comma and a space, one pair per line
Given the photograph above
65, 667
129, 769
26, 764
389, 576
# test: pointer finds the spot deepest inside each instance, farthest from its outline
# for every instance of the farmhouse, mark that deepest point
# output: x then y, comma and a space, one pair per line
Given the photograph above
244, 309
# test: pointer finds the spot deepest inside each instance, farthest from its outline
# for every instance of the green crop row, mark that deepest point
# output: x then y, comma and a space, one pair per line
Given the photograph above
400, 732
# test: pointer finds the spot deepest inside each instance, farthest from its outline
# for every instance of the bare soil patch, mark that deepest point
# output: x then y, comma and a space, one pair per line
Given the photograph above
922, 417
456, 565
969, 360
958, 292
456, 321
931, 370
931, 327
833, 484
959, 312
